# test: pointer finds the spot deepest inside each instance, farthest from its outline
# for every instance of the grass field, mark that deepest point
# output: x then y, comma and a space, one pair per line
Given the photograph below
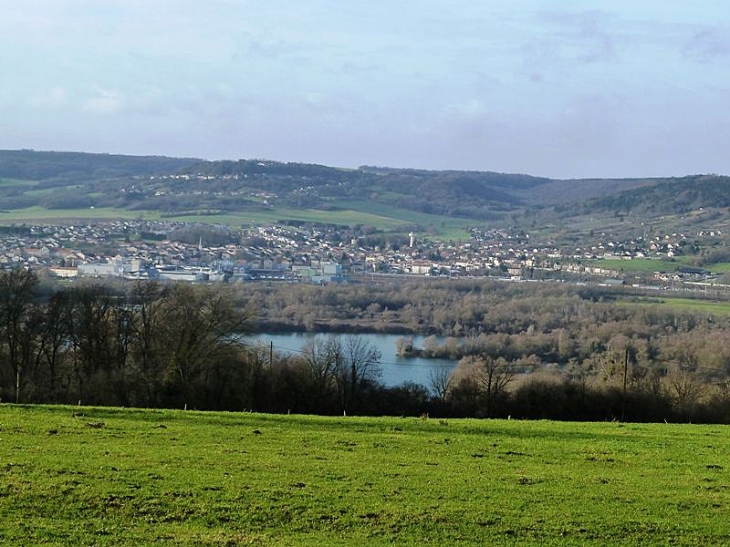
46, 216
684, 304
446, 227
385, 218
720, 267
652, 265
342, 217
645, 265
15, 182
91, 476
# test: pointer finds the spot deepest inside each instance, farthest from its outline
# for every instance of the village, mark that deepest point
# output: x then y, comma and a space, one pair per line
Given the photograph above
136, 249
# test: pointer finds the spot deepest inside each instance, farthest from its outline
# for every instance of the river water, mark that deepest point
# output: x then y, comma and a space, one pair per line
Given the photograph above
396, 370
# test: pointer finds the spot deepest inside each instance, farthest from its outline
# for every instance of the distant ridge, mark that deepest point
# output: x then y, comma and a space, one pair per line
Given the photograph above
175, 184
37, 165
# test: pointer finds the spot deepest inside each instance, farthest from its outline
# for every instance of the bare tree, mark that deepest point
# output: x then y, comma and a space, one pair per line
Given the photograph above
496, 374
55, 338
357, 363
319, 363
685, 389
92, 337
441, 379
200, 323
145, 298
17, 313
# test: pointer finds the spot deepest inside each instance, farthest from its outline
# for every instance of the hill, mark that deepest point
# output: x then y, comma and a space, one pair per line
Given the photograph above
83, 476
672, 196
80, 166
36, 184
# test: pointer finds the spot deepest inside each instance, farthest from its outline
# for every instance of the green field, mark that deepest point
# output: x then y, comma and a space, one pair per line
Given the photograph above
720, 267
646, 265
341, 217
684, 304
91, 476
46, 216
385, 218
15, 182
649, 265
445, 227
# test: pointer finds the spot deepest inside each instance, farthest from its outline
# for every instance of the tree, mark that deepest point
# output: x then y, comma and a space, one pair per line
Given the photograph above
318, 358
17, 316
198, 325
145, 298
55, 336
484, 377
494, 377
357, 364
685, 390
440, 379
404, 346
92, 338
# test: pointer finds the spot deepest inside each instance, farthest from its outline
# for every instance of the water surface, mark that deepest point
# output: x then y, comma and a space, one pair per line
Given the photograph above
396, 369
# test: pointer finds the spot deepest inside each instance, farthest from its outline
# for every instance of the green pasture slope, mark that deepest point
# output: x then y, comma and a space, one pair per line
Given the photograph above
638, 266
92, 476
694, 305
384, 218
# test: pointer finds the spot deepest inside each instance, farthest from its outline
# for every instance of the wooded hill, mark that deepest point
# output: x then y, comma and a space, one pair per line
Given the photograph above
66, 180
30, 165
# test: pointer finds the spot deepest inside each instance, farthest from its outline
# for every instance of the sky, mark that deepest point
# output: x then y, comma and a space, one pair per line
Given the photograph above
564, 89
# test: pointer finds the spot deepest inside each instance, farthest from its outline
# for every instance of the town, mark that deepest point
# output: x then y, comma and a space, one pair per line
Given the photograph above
322, 253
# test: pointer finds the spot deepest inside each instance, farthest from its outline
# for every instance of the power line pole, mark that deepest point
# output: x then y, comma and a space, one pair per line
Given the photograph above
626, 377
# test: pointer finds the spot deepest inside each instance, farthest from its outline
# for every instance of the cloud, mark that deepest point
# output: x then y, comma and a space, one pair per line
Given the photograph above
706, 45
582, 36
565, 43
105, 101
465, 111
53, 98
598, 44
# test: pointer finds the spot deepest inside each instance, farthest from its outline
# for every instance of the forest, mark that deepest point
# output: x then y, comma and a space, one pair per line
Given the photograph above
31, 165
524, 350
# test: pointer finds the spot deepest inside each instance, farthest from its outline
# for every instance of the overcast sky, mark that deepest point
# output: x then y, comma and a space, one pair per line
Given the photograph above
559, 88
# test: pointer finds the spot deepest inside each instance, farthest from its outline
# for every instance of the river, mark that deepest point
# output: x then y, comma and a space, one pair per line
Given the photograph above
396, 369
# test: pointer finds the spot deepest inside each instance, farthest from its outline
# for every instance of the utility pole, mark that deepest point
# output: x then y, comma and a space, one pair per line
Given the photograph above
626, 377
271, 355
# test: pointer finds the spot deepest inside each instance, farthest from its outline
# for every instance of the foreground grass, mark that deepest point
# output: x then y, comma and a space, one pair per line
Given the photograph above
71, 476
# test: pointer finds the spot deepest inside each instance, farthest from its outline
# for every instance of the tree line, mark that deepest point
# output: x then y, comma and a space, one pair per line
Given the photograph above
149, 344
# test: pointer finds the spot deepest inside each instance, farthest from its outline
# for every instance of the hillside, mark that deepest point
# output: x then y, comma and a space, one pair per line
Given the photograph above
80, 166
679, 195
94, 476
403, 199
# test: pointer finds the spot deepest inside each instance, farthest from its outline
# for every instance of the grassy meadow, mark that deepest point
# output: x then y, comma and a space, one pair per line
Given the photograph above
104, 476
638, 266
693, 305
384, 218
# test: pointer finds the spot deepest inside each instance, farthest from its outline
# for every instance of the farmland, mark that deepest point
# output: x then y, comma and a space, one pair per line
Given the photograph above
385, 218
690, 305
74, 475
645, 266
